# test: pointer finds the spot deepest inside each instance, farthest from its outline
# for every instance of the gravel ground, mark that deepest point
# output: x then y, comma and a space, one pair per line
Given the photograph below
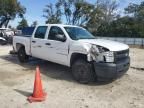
16, 84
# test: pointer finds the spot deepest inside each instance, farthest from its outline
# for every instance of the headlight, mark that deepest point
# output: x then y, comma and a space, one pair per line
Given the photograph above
108, 56
101, 54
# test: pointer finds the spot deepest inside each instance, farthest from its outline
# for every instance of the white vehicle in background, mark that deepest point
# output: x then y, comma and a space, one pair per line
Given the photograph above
6, 35
7, 31
73, 46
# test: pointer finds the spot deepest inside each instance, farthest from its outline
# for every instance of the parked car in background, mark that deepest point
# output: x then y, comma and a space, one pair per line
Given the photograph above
7, 31
6, 35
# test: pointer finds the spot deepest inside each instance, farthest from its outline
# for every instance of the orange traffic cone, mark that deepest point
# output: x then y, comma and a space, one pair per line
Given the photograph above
38, 93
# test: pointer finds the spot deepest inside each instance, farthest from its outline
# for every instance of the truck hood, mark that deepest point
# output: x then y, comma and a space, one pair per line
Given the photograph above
111, 45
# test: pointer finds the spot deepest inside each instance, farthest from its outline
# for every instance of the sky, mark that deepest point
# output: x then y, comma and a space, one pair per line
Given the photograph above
34, 9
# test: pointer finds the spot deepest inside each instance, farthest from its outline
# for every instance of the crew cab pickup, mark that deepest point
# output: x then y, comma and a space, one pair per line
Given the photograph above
88, 57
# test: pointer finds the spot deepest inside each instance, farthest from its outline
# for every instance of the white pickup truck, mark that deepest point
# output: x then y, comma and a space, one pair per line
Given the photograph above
73, 46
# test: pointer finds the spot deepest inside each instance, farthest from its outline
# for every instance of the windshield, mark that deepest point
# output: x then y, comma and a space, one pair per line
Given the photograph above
77, 33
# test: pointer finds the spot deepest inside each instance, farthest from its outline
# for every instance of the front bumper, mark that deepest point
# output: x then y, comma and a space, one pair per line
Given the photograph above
109, 71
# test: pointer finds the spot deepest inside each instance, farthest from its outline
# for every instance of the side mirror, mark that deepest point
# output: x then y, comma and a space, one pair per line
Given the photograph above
61, 37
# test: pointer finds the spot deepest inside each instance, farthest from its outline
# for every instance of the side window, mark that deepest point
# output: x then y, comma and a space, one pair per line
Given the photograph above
53, 32
40, 32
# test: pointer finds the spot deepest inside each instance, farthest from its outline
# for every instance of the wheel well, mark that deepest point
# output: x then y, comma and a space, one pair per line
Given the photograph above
76, 56
18, 46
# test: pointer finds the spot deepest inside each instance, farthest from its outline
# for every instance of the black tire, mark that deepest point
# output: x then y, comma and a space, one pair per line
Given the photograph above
83, 71
22, 55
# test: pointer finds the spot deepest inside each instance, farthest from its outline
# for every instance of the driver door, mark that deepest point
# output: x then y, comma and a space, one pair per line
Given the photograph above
58, 50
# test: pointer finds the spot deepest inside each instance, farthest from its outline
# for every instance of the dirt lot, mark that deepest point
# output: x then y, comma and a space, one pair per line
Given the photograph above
16, 83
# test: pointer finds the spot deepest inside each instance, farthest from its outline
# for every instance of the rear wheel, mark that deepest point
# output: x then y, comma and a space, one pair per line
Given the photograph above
83, 71
22, 55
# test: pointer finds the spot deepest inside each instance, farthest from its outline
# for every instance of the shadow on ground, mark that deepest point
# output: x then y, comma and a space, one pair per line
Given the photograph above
48, 69
137, 68
24, 93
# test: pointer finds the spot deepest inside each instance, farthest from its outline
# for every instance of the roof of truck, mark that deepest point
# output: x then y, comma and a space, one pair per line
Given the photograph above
62, 25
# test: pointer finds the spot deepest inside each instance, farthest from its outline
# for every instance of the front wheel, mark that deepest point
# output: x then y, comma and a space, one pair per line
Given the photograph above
22, 55
83, 71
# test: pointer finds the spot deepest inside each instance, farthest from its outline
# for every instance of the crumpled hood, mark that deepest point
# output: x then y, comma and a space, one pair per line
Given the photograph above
111, 45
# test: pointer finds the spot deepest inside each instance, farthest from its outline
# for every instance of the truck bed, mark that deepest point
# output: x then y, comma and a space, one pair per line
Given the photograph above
24, 40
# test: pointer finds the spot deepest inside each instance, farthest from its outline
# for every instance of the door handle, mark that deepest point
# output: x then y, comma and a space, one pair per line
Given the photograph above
39, 46
33, 41
47, 44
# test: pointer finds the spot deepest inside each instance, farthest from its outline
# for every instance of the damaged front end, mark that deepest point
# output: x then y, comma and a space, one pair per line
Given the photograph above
100, 54
105, 62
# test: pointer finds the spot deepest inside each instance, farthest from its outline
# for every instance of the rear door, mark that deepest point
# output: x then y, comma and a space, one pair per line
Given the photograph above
37, 42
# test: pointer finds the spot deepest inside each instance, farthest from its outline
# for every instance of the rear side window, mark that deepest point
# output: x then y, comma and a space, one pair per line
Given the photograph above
40, 32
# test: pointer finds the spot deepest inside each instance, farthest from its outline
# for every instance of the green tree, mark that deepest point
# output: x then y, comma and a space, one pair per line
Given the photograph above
34, 24
109, 9
126, 26
131, 25
122, 27
52, 15
9, 9
136, 10
102, 15
76, 12
23, 23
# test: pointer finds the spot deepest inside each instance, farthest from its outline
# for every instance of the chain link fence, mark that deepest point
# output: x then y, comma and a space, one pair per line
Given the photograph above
129, 41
